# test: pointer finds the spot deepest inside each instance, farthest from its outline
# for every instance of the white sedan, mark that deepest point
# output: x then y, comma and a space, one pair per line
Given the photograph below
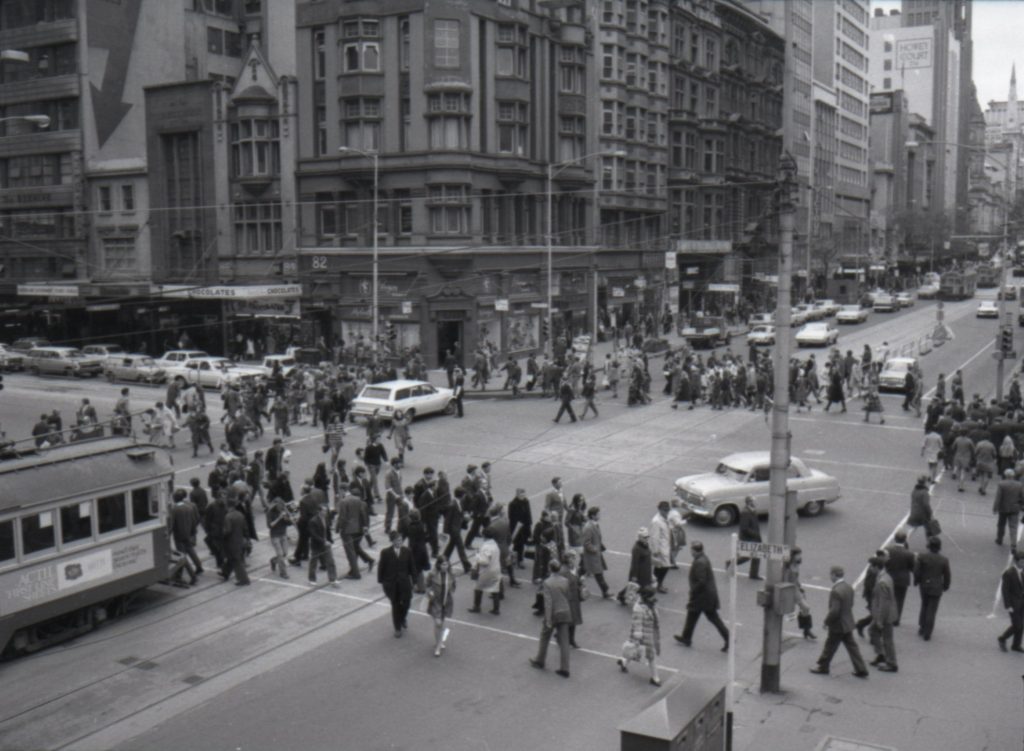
212, 372
893, 376
718, 496
762, 334
987, 309
818, 334
852, 314
904, 299
414, 398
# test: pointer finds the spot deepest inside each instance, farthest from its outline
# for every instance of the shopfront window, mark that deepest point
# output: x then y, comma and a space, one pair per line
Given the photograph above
523, 331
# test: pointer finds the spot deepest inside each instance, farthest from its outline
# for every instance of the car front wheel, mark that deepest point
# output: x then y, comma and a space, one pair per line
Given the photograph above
725, 516
814, 508
449, 408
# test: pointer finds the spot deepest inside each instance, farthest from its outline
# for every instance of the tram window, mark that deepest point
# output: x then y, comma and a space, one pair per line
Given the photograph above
7, 540
143, 506
112, 513
37, 532
76, 522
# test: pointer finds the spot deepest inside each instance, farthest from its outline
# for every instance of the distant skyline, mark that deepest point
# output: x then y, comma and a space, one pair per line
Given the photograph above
997, 29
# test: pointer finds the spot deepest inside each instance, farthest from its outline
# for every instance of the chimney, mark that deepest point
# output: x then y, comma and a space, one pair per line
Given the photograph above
894, 12
879, 12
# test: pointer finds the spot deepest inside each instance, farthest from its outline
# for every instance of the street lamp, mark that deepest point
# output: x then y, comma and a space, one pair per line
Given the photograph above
553, 169
43, 121
376, 174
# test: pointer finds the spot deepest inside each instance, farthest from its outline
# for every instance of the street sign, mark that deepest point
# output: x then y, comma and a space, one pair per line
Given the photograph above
766, 550
501, 305
406, 307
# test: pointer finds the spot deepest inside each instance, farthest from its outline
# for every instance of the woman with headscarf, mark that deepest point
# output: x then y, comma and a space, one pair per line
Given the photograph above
644, 642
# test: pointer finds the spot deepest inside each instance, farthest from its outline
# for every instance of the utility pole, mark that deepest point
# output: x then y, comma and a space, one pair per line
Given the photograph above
1005, 324
780, 519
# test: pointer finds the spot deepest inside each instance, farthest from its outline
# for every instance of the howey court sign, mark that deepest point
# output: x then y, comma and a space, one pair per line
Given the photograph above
224, 292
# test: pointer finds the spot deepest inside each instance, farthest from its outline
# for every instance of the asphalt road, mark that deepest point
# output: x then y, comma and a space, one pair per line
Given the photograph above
320, 668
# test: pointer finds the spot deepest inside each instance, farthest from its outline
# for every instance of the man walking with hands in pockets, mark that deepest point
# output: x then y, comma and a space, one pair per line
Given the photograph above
839, 623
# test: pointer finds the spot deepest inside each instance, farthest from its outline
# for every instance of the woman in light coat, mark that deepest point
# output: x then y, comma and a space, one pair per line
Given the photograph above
440, 591
644, 641
661, 545
400, 433
487, 568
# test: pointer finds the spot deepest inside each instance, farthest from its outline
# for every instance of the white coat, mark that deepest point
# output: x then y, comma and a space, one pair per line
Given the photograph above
660, 541
488, 562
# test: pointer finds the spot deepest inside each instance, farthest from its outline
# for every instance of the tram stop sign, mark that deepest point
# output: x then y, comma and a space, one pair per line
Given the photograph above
767, 550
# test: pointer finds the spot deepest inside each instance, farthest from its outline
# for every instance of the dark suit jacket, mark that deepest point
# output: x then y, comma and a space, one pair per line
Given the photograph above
235, 531
932, 574
557, 608
703, 591
840, 609
1013, 589
1009, 495
520, 517
352, 516
900, 565
750, 528
640, 568
395, 570
184, 522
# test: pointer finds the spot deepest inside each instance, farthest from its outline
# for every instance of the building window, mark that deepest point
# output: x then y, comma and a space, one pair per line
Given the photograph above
326, 216
105, 201
403, 212
127, 198
319, 54
887, 84
449, 209
887, 64
710, 102
255, 149
710, 55
16, 14
361, 124
510, 56
362, 57
887, 46
36, 170
119, 255
512, 128
572, 70
572, 132
448, 121
258, 228
446, 43
405, 37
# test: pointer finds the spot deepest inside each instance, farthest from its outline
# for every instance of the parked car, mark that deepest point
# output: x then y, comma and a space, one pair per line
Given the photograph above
762, 334
831, 307
1009, 292
177, 357
893, 376
852, 314
11, 359
103, 351
212, 372
761, 319
987, 309
129, 367
718, 496
817, 334
904, 300
797, 316
928, 291
883, 302
67, 361
416, 398
24, 344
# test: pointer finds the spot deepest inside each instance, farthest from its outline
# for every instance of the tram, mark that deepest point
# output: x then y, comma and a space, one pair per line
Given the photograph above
958, 285
83, 526
988, 275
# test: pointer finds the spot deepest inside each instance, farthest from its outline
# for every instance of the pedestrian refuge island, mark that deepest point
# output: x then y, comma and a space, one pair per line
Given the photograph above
690, 716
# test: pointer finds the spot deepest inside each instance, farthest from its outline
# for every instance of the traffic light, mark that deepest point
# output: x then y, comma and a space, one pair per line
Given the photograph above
1006, 340
392, 332
544, 329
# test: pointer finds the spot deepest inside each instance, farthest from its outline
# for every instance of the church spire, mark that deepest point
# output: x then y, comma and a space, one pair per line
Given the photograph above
1013, 82
1011, 101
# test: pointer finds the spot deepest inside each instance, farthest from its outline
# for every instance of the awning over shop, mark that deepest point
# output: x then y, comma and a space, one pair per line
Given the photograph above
223, 292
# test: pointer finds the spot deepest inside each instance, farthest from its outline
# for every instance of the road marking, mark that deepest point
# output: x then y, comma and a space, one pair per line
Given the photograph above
857, 423
479, 626
867, 466
814, 452
963, 365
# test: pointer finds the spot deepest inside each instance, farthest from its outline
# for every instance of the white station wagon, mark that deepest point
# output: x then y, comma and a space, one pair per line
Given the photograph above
416, 398
718, 496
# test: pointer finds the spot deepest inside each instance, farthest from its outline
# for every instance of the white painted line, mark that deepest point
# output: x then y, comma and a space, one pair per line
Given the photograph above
380, 602
857, 423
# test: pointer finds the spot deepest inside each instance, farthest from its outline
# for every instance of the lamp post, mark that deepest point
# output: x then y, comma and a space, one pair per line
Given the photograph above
43, 121
374, 307
553, 169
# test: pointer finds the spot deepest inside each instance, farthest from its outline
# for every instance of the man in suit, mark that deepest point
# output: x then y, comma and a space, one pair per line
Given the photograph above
351, 525
593, 550
274, 459
396, 573
750, 531
703, 598
184, 523
392, 492
883, 616
900, 564
1013, 600
1007, 505
520, 518
839, 623
320, 546
309, 505
557, 619
235, 529
453, 518
932, 578
870, 577
565, 395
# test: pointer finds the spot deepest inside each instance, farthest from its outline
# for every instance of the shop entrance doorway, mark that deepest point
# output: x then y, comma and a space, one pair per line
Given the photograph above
449, 337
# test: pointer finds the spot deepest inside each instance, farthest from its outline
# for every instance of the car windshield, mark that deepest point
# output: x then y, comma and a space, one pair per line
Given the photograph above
371, 392
144, 361
851, 308
73, 353
731, 473
897, 367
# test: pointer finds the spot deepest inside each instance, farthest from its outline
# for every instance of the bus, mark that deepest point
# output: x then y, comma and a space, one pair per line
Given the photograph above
958, 285
988, 275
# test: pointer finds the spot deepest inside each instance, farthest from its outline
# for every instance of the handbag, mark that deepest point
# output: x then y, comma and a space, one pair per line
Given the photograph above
631, 651
804, 621
933, 527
